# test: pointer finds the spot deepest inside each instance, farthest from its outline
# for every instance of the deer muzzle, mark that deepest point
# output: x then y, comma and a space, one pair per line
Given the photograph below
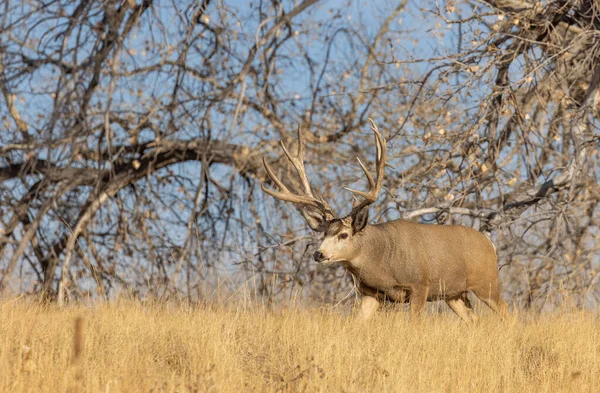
318, 256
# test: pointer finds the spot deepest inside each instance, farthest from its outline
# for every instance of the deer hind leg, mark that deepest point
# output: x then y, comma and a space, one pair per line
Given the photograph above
462, 307
418, 299
490, 295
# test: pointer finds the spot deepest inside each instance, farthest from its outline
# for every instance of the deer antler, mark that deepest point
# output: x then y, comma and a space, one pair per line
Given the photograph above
374, 185
308, 199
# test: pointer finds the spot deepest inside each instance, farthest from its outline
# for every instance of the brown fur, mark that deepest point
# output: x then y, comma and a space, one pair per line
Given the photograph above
405, 261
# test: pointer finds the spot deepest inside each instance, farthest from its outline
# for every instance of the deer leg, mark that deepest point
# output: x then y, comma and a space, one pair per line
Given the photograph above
418, 299
462, 307
368, 306
498, 305
491, 297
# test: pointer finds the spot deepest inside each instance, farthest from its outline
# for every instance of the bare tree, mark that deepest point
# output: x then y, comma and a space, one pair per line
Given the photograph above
134, 132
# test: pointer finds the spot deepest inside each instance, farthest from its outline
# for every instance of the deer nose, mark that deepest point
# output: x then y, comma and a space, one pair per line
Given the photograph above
318, 255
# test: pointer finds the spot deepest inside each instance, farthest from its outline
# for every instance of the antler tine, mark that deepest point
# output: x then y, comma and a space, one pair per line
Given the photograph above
298, 162
369, 180
374, 185
381, 154
285, 194
273, 177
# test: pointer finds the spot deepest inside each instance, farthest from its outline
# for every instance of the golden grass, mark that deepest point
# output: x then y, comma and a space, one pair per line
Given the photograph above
130, 347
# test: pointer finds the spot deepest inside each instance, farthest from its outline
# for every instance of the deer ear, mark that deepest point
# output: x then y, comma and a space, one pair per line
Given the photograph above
315, 219
360, 219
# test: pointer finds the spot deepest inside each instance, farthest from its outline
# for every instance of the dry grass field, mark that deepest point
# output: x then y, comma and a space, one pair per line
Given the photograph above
130, 347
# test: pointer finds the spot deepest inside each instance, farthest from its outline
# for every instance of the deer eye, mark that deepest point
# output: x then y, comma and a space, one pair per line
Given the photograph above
343, 236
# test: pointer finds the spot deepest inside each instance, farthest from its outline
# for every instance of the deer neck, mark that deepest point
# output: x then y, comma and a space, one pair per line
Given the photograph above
368, 246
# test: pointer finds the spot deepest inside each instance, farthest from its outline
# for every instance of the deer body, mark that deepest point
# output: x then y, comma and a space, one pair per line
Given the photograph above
398, 260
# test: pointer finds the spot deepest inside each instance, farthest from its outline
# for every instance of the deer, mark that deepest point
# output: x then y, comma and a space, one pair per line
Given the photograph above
397, 261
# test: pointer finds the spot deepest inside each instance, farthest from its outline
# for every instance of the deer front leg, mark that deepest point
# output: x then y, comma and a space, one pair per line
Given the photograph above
418, 299
368, 306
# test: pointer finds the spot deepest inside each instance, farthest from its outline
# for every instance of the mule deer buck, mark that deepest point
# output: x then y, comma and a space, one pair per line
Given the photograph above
398, 261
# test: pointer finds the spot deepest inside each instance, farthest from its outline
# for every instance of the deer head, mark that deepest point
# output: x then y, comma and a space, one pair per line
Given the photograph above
341, 241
